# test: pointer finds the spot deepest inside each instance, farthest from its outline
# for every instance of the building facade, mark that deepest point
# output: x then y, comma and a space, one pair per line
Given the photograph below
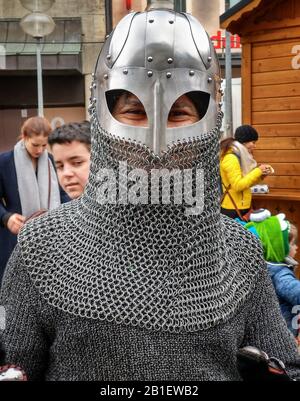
68, 58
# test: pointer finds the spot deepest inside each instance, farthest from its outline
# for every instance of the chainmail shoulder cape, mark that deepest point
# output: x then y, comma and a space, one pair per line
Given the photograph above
143, 265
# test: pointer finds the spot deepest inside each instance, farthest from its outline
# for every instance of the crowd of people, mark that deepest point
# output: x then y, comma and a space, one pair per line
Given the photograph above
103, 291
239, 172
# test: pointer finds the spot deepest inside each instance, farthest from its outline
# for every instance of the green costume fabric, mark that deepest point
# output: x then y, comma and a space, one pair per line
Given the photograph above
275, 241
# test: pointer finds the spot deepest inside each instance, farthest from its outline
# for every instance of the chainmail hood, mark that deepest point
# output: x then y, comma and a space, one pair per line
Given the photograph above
144, 265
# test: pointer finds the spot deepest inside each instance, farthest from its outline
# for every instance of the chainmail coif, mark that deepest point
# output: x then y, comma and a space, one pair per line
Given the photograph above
143, 265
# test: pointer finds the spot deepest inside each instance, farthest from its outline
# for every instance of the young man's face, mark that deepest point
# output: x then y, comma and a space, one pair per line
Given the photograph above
72, 162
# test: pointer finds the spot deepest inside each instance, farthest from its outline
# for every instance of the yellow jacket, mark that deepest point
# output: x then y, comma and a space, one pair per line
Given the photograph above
231, 175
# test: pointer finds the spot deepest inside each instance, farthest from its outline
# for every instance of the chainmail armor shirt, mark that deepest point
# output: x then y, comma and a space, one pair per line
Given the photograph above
140, 292
54, 345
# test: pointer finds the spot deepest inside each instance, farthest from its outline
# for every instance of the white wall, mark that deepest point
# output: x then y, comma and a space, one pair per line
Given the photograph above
236, 103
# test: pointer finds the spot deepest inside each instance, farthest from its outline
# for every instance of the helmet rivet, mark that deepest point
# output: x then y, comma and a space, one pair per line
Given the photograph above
105, 76
94, 86
209, 80
170, 60
169, 75
220, 104
192, 73
151, 20
209, 59
125, 72
150, 73
108, 56
150, 58
94, 100
93, 75
107, 36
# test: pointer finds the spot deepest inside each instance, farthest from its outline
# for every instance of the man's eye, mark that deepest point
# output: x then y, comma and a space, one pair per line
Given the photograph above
59, 167
177, 113
136, 111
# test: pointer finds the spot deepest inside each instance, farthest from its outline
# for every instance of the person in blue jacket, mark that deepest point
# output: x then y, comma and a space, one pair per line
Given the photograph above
279, 240
28, 183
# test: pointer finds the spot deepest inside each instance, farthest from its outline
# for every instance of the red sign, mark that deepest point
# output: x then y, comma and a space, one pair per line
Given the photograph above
219, 41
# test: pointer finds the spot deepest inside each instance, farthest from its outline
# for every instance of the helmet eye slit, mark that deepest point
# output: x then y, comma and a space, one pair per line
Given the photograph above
188, 108
126, 108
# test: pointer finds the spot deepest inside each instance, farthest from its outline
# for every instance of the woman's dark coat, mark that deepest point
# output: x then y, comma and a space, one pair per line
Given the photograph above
10, 203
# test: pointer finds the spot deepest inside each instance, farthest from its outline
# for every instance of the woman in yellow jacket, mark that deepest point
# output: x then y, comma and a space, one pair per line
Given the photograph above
239, 171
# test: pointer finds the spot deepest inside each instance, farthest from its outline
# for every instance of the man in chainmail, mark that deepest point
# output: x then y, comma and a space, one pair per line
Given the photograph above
113, 286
